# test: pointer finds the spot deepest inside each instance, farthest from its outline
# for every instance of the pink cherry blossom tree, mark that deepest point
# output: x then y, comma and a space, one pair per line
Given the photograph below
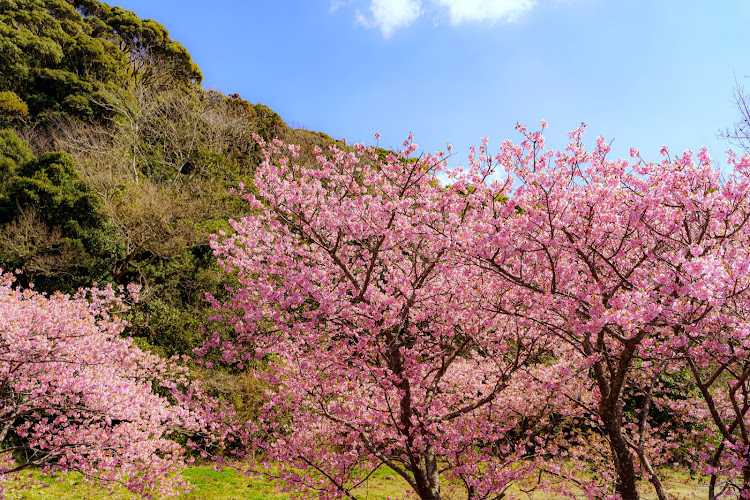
381, 349
711, 319
641, 269
554, 311
75, 395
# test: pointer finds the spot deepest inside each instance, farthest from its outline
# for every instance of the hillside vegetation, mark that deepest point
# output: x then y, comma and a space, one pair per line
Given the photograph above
115, 164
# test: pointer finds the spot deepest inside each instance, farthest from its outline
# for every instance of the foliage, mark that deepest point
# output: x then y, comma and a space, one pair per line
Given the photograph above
174, 311
54, 227
12, 107
13, 153
53, 53
162, 165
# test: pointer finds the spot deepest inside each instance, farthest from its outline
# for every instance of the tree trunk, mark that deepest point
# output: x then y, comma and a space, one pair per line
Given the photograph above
624, 464
424, 466
433, 474
427, 476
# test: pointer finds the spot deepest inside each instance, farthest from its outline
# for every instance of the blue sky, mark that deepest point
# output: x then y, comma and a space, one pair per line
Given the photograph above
644, 73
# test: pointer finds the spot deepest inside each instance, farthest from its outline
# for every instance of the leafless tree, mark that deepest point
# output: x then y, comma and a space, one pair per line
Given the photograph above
738, 134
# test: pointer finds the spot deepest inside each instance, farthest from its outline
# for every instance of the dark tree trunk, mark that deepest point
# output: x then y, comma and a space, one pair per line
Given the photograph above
627, 487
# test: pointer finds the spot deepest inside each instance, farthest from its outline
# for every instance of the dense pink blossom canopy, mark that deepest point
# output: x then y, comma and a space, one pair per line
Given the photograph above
549, 311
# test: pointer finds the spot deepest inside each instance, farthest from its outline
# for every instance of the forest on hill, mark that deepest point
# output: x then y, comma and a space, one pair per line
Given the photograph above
184, 276
116, 163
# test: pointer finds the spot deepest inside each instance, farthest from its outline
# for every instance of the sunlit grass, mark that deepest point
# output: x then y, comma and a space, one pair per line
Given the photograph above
228, 484
206, 483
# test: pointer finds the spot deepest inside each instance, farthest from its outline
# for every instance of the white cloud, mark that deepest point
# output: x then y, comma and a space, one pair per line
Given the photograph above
486, 10
390, 15
336, 5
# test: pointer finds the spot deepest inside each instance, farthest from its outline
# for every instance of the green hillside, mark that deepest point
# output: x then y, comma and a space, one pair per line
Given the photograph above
115, 164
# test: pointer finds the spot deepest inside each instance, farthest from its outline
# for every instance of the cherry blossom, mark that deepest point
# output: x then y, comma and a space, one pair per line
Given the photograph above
78, 396
377, 335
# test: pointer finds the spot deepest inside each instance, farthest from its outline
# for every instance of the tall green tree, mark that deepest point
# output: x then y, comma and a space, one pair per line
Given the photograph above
54, 53
52, 227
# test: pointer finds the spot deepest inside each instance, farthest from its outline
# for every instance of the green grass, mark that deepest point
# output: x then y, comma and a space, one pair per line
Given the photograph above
207, 483
228, 484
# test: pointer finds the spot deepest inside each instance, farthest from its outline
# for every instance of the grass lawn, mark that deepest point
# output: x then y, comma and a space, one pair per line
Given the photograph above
229, 485
207, 483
